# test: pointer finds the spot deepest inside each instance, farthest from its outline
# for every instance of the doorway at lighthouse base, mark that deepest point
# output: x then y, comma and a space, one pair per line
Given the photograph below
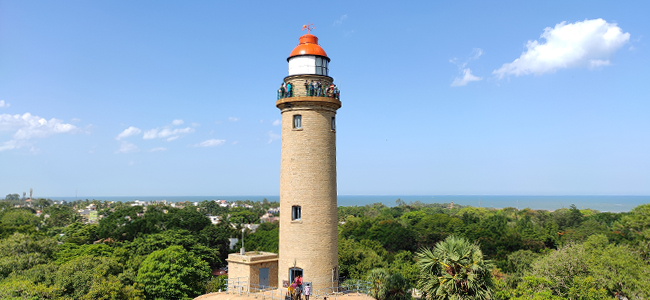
293, 274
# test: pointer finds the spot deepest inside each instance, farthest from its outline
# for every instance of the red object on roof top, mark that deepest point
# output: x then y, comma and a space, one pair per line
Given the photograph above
308, 45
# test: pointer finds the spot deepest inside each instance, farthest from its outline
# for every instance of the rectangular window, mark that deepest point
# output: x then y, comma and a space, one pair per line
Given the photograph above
333, 123
297, 122
296, 213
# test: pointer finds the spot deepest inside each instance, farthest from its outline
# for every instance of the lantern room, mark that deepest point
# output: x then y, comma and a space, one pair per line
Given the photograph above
308, 58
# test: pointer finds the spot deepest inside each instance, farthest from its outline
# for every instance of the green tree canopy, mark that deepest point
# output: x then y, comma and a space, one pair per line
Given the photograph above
17, 220
60, 215
173, 273
69, 251
240, 215
148, 244
356, 259
387, 286
80, 233
617, 269
77, 277
265, 238
404, 264
12, 197
21, 252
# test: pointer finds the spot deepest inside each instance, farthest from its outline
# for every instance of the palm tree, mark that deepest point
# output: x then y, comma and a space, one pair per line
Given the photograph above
385, 286
455, 270
377, 278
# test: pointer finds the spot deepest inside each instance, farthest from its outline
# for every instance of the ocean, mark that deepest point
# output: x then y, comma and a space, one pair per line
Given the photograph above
600, 203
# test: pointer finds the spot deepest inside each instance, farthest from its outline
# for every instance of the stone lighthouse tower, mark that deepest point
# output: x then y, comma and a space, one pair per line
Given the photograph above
308, 218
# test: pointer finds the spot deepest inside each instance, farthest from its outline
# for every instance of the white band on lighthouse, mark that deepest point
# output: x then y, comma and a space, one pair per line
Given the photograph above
308, 65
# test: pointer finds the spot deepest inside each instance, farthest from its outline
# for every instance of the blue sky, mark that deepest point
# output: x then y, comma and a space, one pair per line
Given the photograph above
148, 98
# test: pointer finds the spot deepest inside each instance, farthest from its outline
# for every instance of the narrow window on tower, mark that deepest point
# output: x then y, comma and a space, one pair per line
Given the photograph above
297, 122
296, 213
333, 124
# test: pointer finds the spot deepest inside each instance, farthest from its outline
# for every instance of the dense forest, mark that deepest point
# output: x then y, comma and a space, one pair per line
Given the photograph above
532, 254
50, 251
133, 252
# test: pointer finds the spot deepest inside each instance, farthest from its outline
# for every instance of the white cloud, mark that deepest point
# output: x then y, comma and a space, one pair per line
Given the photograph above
581, 44
235, 142
340, 20
150, 134
177, 122
126, 147
11, 144
27, 126
167, 133
467, 78
233, 119
33, 126
210, 143
276, 122
195, 124
158, 149
128, 132
476, 53
273, 136
465, 74
4, 104
75, 120
598, 63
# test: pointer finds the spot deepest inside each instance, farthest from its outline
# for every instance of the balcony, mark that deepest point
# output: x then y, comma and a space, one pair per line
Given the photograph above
309, 91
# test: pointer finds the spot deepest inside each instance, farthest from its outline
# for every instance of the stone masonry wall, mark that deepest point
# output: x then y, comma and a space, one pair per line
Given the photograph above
308, 179
248, 266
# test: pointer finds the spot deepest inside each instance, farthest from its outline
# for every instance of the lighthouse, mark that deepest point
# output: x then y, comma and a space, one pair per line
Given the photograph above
308, 102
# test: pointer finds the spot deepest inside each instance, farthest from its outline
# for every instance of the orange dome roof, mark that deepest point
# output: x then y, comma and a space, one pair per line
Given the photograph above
308, 45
